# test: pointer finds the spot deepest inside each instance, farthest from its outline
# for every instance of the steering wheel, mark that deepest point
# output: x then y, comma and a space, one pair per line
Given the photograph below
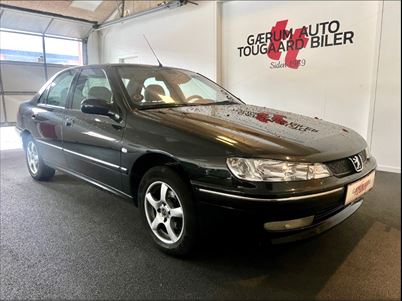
194, 98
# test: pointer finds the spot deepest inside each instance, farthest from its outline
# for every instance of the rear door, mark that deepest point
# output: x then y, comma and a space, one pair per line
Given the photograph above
48, 117
92, 143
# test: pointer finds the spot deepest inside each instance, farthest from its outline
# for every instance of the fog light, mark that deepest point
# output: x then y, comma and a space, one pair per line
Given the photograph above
290, 224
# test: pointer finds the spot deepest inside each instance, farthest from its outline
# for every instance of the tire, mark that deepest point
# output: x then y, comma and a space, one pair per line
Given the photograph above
36, 167
160, 213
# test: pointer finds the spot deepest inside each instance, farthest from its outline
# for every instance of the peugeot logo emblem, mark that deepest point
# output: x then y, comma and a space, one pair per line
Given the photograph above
357, 162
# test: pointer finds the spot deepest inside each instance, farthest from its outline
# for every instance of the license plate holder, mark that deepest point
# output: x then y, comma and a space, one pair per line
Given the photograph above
356, 189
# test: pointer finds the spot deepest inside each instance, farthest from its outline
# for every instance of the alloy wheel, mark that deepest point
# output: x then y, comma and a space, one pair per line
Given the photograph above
164, 212
32, 157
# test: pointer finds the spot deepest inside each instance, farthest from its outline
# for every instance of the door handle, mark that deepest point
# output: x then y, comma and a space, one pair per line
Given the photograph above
69, 122
33, 116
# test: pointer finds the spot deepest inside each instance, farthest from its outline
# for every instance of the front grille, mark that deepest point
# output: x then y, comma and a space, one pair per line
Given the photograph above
344, 167
363, 155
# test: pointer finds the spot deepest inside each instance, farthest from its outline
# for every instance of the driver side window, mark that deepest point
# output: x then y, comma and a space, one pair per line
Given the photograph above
91, 83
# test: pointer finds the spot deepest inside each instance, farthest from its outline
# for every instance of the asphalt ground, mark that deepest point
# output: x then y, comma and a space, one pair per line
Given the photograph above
66, 239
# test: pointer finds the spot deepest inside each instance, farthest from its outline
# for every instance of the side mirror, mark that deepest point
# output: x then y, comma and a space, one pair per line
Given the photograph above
97, 106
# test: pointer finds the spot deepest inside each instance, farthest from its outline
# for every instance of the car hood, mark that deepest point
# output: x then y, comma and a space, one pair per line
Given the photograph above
254, 131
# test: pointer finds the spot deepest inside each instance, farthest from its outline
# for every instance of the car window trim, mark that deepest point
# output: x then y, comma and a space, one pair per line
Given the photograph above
46, 90
73, 85
45, 105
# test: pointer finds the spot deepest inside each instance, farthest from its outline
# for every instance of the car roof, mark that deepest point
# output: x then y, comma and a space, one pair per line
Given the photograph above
123, 65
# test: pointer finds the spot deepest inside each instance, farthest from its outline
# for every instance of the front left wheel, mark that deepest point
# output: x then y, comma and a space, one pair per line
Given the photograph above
168, 210
36, 167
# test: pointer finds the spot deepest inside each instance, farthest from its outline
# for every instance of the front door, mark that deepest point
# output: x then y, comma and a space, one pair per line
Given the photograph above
92, 143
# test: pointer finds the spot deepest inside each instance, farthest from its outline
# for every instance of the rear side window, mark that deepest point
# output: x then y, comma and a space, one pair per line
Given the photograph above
58, 90
91, 83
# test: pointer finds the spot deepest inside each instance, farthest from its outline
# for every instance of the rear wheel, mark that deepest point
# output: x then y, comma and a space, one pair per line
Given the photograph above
168, 210
36, 167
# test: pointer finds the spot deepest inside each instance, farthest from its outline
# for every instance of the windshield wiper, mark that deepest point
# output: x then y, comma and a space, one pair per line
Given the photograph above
175, 105
161, 106
227, 94
225, 102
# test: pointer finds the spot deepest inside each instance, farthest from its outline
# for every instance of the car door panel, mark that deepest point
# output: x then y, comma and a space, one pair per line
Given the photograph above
48, 133
92, 146
92, 143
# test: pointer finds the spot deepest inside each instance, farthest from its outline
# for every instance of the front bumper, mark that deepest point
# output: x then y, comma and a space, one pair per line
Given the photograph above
279, 237
327, 206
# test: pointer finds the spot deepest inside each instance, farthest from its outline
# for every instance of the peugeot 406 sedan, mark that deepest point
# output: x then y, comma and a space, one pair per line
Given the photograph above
175, 142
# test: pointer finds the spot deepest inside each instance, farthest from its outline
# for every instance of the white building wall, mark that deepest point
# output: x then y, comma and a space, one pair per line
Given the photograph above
181, 37
386, 130
93, 48
335, 82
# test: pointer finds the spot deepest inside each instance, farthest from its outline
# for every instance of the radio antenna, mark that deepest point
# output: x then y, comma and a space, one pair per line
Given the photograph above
160, 64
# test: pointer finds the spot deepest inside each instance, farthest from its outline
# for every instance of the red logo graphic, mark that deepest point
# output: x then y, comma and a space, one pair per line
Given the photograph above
294, 42
276, 118
361, 188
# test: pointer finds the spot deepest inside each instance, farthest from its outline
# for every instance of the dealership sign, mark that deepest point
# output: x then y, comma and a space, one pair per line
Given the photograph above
292, 40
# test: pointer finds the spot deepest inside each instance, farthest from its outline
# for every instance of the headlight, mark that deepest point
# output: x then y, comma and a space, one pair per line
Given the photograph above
275, 171
367, 151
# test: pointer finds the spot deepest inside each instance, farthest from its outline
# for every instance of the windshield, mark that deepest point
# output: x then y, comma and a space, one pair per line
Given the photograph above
150, 87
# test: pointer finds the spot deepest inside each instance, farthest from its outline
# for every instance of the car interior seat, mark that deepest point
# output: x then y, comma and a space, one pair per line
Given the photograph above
99, 92
154, 93
134, 90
